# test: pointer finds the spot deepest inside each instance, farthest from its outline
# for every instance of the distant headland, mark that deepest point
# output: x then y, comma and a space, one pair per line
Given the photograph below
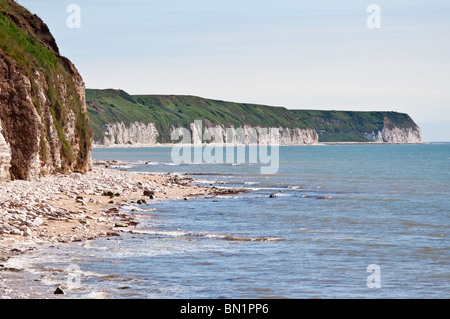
120, 119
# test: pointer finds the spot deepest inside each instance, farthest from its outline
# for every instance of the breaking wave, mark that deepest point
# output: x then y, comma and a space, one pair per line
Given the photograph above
207, 235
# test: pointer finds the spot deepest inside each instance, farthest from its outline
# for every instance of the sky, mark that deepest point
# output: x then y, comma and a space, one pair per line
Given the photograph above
323, 54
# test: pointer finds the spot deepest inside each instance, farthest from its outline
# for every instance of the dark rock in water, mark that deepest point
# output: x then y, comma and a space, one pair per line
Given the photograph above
59, 291
272, 196
141, 201
8, 269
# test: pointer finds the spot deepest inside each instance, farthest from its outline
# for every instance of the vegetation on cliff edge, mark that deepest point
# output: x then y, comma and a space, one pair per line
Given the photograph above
166, 111
26, 39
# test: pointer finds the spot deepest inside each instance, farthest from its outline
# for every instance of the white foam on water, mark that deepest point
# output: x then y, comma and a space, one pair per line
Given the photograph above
205, 181
162, 233
207, 235
18, 263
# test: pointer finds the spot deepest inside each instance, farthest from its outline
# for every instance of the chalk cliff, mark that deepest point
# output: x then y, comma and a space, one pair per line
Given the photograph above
5, 157
118, 118
43, 116
395, 135
133, 134
140, 134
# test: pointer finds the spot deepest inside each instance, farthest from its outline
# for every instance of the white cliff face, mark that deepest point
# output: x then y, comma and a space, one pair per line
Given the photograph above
374, 137
248, 135
394, 135
299, 137
140, 134
146, 134
402, 136
135, 133
5, 157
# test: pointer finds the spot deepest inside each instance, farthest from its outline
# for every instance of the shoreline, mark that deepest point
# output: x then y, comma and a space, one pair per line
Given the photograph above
168, 145
78, 208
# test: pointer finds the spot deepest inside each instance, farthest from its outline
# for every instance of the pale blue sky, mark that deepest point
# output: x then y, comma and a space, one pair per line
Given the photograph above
292, 53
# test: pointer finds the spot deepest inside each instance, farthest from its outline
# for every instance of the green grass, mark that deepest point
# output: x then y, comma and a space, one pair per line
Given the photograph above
166, 111
23, 48
110, 106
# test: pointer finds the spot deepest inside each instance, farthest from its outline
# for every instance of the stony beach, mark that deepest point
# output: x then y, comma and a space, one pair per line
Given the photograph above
78, 207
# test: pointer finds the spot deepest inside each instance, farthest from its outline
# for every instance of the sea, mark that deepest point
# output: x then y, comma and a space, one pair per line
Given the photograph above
335, 221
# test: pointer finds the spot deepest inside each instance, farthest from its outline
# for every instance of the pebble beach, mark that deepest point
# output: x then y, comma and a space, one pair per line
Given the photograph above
77, 207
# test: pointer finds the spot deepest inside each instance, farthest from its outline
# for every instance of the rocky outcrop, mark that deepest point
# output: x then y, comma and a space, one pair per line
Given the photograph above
43, 115
395, 135
5, 157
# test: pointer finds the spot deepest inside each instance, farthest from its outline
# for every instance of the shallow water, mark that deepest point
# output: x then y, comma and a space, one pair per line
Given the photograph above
337, 210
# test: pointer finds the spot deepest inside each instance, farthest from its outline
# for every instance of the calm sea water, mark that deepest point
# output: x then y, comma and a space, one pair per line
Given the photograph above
337, 210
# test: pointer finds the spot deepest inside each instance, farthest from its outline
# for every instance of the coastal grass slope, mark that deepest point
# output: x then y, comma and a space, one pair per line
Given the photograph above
41, 98
165, 111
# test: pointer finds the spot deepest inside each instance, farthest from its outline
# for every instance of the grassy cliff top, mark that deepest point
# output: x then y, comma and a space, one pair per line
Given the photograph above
165, 111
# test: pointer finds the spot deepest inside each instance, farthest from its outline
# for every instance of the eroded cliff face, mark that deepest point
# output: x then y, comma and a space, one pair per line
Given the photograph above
135, 133
5, 157
43, 117
248, 135
146, 134
395, 135
140, 134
